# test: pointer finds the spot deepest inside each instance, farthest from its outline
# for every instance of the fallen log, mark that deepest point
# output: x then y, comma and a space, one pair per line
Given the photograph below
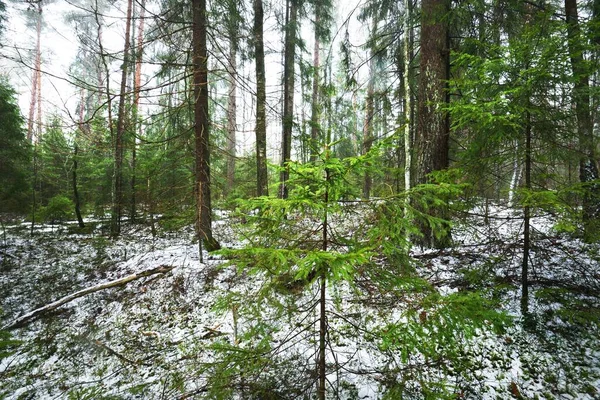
32, 315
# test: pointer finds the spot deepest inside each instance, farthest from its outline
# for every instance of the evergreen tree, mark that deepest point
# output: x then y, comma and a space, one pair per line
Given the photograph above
14, 154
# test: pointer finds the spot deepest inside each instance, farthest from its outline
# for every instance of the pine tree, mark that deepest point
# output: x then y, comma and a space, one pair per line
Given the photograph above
202, 128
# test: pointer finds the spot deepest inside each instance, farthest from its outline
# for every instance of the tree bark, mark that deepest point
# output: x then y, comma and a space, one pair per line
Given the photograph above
526, 222
408, 104
32, 315
201, 128
288, 95
75, 155
137, 127
369, 112
432, 138
36, 81
314, 117
232, 106
588, 170
262, 184
117, 208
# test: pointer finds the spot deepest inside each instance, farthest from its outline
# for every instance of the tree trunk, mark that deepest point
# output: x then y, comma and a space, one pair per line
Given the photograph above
314, 118
431, 142
408, 104
37, 76
288, 95
262, 182
588, 170
322, 366
74, 172
526, 222
117, 209
369, 112
136, 128
201, 128
232, 108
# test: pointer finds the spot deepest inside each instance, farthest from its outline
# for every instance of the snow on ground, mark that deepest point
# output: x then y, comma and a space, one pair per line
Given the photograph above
176, 335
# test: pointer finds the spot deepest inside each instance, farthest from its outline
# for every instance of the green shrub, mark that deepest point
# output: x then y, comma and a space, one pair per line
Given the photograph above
59, 208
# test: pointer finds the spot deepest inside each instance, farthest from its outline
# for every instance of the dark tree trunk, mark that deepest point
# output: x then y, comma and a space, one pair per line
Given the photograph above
526, 222
431, 141
288, 95
201, 128
74, 172
137, 127
588, 170
120, 134
262, 182
314, 118
432, 126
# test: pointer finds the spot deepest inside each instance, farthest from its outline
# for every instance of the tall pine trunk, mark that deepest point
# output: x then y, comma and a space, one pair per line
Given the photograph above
288, 95
36, 81
201, 128
262, 183
136, 126
117, 209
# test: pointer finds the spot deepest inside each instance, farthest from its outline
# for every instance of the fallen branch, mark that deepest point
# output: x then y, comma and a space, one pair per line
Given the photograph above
32, 315
7, 255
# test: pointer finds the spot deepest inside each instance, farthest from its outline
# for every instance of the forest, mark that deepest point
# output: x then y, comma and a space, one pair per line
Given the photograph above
299, 199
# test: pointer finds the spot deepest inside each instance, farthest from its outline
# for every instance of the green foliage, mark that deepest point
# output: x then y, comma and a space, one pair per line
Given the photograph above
8, 346
15, 154
59, 208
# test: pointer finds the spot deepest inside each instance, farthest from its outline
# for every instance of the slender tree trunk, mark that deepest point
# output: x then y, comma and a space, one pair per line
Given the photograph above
262, 182
369, 112
432, 139
232, 109
526, 222
314, 118
288, 95
407, 101
588, 170
136, 126
201, 128
516, 176
322, 366
75, 191
36, 81
120, 134
75, 163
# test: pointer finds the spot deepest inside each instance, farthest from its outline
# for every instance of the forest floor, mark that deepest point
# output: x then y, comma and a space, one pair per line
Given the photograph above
166, 336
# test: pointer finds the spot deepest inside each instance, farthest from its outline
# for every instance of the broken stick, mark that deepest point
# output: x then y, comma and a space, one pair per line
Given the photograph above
30, 316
